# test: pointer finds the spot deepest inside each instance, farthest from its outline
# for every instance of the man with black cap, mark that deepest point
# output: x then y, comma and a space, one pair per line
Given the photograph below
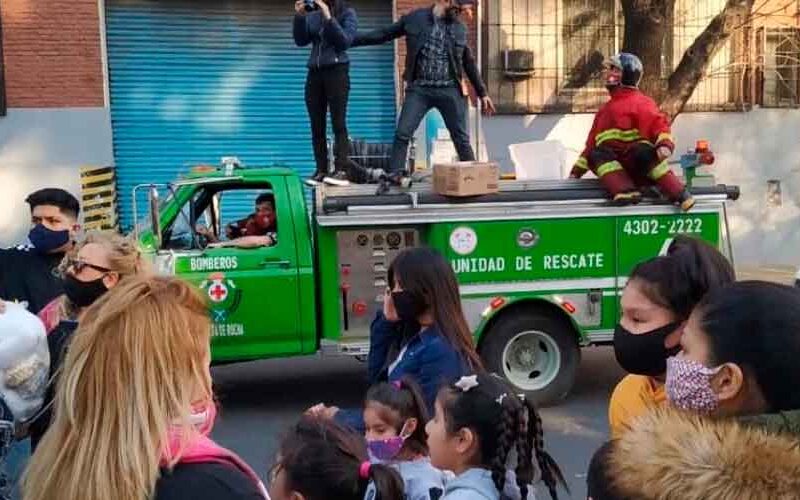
437, 59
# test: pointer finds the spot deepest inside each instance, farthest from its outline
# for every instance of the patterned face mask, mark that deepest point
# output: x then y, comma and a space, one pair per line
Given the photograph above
386, 450
689, 385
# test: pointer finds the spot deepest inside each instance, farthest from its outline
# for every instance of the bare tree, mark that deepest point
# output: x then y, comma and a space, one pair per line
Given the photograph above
647, 24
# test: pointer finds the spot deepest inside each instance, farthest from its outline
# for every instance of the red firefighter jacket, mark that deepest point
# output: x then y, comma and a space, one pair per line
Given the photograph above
629, 117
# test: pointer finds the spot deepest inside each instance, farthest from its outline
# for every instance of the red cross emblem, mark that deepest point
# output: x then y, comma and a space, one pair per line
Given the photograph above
217, 292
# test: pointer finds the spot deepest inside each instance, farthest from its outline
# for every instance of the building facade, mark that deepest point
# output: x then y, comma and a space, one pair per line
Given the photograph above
154, 87
746, 105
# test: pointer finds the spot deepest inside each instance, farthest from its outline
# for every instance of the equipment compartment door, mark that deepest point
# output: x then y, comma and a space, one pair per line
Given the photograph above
364, 259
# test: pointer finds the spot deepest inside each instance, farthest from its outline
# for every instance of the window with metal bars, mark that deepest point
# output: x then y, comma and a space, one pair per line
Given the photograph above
779, 65
546, 55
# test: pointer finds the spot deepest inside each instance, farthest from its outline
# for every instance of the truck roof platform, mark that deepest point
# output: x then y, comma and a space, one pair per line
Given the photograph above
358, 204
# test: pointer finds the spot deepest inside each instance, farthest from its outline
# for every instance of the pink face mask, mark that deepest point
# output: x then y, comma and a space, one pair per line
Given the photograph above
203, 417
689, 385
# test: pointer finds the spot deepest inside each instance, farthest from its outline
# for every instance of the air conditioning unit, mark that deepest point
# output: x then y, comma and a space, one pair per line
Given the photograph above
518, 64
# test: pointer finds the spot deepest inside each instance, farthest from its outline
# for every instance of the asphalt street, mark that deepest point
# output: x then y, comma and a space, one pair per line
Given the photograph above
260, 399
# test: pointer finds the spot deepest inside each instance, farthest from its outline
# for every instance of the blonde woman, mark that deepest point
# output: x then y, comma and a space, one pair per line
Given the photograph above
97, 265
134, 406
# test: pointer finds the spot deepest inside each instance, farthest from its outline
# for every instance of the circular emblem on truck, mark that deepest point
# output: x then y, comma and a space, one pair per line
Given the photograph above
463, 240
527, 238
217, 292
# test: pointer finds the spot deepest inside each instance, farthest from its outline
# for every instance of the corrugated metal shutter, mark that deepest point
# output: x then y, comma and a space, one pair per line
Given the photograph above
195, 80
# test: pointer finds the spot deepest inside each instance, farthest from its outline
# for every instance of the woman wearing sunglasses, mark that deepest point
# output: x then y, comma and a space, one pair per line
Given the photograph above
98, 264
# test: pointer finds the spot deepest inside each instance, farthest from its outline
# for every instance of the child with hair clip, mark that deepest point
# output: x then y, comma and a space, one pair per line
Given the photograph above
481, 426
395, 415
320, 460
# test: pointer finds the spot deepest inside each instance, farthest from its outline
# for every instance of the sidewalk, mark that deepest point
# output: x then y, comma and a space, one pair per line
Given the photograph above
783, 275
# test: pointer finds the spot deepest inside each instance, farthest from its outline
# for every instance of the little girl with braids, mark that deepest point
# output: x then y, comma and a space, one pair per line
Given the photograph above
395, 415
479, 424
320, 460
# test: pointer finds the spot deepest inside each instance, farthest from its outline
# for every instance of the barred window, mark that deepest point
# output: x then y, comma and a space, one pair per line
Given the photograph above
589, 35
546, 55
779, 60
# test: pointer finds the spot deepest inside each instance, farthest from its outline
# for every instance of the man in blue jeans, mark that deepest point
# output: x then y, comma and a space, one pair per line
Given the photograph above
438, 56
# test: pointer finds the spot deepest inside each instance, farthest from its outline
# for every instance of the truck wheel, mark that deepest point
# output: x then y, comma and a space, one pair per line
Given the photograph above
535, 351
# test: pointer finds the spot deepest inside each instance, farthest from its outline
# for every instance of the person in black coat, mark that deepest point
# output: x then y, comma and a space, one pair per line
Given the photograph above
329, 26
27, 272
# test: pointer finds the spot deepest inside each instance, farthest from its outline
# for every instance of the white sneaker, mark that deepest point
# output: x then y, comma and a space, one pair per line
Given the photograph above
337, 179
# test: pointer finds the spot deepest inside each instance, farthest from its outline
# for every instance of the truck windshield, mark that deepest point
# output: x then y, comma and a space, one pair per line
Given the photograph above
180, 234
143, 223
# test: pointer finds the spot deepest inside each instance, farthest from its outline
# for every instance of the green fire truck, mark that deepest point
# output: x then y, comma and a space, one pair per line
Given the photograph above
541, 264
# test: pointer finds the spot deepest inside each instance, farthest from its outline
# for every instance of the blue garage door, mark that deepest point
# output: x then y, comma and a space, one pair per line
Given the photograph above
195, 80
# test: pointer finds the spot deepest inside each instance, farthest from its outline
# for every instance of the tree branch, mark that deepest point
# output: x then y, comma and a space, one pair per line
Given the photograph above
695, 61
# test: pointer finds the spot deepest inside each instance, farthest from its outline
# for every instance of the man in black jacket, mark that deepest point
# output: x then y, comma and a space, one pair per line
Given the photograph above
28, 272
437, 58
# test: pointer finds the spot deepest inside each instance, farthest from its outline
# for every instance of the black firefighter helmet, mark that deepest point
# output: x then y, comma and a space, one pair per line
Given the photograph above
629, 65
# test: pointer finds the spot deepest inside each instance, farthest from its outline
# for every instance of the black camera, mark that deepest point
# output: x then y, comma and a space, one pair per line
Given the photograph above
310, 5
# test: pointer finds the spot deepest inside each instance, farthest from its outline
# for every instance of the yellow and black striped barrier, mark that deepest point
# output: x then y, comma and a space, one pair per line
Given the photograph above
99, 198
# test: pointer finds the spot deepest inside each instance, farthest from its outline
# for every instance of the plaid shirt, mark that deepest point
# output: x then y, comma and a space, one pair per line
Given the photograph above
433, 68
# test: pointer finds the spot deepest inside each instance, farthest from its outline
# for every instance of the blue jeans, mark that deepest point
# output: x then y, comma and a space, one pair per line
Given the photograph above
419, 100
18, 455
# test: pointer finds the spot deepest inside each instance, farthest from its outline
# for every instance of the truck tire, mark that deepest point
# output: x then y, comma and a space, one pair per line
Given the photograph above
536, 351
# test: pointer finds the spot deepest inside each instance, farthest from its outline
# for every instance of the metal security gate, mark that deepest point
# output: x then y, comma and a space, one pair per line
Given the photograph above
195, 80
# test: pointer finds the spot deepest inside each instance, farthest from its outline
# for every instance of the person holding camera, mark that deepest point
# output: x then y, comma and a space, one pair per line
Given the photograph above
329, 26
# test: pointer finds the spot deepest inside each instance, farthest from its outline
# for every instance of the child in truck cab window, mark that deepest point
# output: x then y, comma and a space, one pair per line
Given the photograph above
656, 304
480, 423
320, 460
258, 229
395, 416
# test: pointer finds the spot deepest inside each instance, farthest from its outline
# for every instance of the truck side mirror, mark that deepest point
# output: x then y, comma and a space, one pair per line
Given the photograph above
155, 224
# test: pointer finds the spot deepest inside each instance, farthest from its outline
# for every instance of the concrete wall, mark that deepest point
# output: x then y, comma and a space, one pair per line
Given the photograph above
751, 148
45, 148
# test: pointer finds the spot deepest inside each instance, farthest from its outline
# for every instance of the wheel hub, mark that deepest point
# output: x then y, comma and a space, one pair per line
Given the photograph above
531, 360
525, 356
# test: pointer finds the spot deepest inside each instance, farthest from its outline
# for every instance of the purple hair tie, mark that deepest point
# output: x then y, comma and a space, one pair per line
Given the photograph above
397, 384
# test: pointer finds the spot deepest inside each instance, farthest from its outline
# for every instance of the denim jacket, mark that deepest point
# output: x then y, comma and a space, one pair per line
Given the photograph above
428, 358
329, 39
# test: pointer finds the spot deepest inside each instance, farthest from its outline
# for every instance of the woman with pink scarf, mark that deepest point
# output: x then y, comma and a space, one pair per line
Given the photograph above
134, 406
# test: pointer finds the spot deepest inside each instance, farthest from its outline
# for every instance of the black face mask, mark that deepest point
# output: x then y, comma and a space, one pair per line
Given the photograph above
644, 354
452, 13
83, 293
407, 306
46, 240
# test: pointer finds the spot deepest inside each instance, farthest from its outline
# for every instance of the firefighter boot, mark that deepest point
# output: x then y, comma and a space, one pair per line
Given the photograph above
686, 200
627, 198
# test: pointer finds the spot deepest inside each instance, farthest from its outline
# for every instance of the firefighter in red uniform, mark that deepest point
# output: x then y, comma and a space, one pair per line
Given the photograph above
630, 140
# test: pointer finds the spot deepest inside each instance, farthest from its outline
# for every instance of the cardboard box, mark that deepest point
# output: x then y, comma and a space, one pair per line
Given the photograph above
466, 178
